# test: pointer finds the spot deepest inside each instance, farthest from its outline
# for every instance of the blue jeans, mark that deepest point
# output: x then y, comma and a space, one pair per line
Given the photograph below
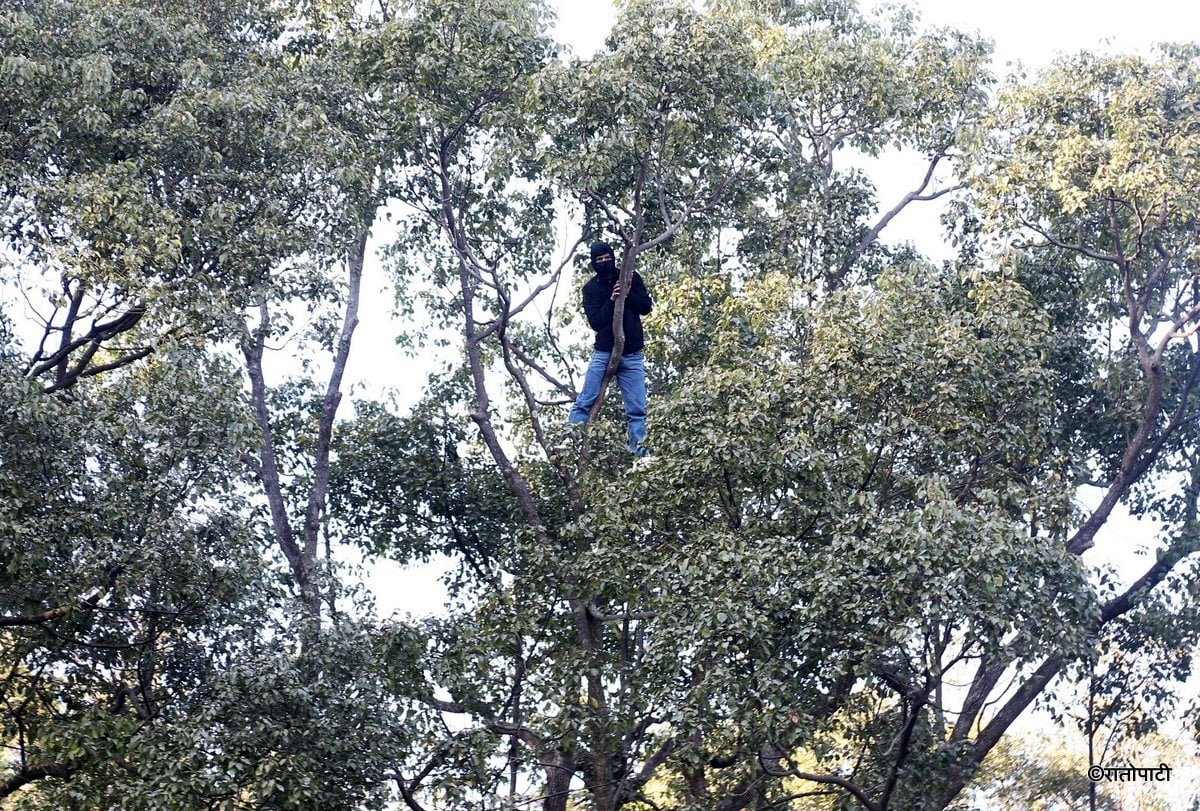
631, 377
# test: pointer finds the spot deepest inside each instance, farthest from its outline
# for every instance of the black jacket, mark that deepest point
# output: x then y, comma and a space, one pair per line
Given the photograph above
598, 304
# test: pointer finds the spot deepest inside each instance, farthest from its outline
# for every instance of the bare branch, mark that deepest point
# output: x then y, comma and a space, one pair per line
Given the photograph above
124, 360
35, 619
333, 396
1069, 246
834, 780
268, 467
85, 603
916, 195
525, 358
511, 312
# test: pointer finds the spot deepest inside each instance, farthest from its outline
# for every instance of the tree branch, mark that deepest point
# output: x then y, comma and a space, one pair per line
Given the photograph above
88, 602
834, 780
35, 619
333, 396
1067, 246
481, 413
268, 467
918, 194
27, 775
67, 375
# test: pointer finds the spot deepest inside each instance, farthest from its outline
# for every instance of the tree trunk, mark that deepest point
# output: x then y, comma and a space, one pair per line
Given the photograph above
559, 772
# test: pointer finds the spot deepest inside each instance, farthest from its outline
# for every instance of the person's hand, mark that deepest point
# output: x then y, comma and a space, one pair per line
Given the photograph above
616, 293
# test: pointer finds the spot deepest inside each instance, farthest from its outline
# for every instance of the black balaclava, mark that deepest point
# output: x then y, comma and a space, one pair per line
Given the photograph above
606, 269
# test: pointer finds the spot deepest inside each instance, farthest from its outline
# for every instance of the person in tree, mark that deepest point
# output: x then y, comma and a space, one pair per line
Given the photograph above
599, 297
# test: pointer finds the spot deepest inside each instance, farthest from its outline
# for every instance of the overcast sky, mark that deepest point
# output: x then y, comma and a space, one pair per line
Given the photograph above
1029, 31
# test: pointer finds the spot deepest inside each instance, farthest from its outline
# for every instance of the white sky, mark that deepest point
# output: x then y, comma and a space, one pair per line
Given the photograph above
1029, 31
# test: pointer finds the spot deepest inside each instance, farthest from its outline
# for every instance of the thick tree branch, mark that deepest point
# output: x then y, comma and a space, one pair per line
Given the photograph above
35, 619
407, 793
649, 767
1139, 454
986, 679
492, 724
914, 707
67, 373
86, 603
31, 774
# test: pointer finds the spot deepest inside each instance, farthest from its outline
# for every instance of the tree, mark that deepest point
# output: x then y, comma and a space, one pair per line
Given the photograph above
171, 165
846, 85
855, 487
153, 176
1090, 165
120, 595
553, 650
865, 469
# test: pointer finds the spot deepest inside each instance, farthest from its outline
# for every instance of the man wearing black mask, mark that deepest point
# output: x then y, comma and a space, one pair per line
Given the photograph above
599, 295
